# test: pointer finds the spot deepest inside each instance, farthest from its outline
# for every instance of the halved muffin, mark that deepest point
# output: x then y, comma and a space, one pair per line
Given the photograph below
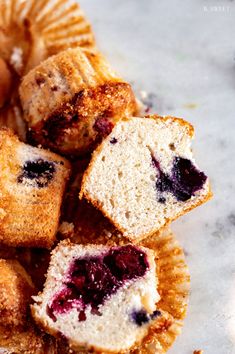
143, 175
98, 296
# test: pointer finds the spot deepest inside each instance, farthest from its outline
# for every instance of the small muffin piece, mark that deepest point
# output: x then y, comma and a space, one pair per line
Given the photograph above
16, 288
99, 297
73, 99
32, 183
143, 175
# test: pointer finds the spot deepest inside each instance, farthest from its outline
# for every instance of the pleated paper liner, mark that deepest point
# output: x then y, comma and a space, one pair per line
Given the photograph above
34, 30
173, 287
30, 32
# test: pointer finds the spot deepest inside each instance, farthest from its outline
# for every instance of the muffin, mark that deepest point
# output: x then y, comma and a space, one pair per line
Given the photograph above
143, 175
110, 293
16, 288
32, 186
72, 100
161, 327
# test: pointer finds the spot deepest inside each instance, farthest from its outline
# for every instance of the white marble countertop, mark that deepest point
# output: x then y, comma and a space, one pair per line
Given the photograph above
183, 53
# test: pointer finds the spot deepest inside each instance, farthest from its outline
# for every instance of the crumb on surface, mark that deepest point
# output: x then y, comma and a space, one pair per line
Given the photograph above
66, 229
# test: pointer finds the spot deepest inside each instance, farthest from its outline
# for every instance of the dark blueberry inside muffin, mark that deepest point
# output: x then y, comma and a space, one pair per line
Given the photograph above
187, 179
113, 140
103, 126
39, 171
162, 200
90, 281
126, 263
184, 181
140, 317
155, 314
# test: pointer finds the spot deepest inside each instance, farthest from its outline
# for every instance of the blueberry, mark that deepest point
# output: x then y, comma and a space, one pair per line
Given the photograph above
185, 179
103, 126
91, 280
39, 171
82, 316
113, 141
164, 183
140, 317
155, 314
126, 263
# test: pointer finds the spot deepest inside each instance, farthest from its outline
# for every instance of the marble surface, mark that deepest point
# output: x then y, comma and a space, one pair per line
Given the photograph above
183, 54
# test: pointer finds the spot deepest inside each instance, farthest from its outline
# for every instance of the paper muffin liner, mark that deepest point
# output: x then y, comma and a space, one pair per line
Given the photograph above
30, 32
173, 287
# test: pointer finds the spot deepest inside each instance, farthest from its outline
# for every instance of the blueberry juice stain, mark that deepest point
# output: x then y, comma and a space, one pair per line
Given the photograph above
91, 280
185, 179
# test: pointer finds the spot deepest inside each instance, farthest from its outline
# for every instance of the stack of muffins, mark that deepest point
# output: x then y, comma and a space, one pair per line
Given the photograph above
89, 186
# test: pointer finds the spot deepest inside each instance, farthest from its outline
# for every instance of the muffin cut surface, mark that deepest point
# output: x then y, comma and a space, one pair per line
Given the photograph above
143, 175
99, 297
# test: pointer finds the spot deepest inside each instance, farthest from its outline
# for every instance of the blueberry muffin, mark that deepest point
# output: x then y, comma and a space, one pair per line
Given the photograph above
16, 288
90, 286
72, 100
32, 184
84, 286
143, 175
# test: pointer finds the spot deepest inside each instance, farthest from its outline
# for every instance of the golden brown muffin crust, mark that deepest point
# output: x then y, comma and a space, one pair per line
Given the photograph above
89, 109
16, 289
29, 215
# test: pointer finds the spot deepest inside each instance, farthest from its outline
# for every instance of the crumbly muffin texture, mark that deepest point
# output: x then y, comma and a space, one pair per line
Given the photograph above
143, 175
73, 99
99, 297
32, 183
